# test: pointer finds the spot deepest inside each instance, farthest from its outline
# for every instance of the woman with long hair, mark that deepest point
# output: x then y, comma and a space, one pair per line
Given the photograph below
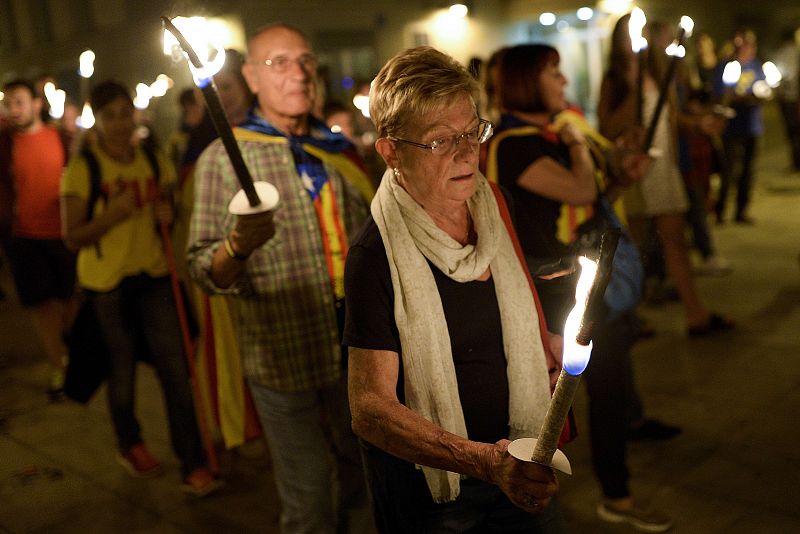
660, 195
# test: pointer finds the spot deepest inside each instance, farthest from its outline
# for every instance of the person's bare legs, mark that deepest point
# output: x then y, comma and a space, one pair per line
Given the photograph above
670, 230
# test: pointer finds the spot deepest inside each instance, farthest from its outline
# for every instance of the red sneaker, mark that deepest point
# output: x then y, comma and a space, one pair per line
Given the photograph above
139, 462
201, 482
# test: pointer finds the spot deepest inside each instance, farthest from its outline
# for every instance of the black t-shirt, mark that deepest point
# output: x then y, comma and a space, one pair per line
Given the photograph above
473, 322
536, 220
536, 216
400, 494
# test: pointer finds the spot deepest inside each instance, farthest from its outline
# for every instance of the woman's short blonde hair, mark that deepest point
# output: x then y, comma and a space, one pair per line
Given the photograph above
414, 83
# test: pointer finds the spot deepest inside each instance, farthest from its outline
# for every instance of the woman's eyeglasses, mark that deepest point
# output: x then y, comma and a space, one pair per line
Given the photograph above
444, 146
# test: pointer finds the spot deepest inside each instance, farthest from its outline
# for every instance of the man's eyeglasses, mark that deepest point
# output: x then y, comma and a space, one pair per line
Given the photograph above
444, 146
281, 64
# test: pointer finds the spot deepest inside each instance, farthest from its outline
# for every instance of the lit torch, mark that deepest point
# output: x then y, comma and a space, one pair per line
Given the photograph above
772, 79
676, 50
56, 98
86, 119
249, 199
85, 69
638, 45
578, 332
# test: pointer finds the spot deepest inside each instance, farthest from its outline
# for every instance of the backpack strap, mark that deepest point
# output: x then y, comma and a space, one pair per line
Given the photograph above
153, 161
95, 189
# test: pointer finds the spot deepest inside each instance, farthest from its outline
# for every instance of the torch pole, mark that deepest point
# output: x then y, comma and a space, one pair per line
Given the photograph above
608, 247
662, 95
188, 347
641, 66
219, 119
547, 442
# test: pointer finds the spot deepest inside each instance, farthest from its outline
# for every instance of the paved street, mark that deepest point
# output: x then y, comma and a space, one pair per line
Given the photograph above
734, 469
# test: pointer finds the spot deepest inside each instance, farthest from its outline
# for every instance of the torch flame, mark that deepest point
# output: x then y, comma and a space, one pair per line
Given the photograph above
687, 24
86, 120
675, 50
203, 75
204, 42
635, 25
143, 96
732, 73
576, 356
55, 98
161, 85
86, 60
361, 102
772, 74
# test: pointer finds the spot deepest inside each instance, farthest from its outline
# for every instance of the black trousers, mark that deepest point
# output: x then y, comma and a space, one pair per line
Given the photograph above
791, 119
739, 154
614, 403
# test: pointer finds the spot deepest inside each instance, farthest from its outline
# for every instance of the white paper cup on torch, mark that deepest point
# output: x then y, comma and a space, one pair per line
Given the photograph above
267, 193
544, 449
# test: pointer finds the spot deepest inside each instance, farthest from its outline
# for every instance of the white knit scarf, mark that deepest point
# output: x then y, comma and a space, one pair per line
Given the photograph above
410, 236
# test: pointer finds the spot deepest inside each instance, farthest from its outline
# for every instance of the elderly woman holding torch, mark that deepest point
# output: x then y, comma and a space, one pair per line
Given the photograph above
449, 355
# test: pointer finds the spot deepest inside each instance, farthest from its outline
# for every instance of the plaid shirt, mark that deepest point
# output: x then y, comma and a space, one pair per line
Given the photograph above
284, 310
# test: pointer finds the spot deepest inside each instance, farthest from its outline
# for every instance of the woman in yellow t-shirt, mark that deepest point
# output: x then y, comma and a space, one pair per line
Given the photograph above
122, 267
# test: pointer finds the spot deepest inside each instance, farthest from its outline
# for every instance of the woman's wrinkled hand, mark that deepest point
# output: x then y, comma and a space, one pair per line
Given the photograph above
529, 485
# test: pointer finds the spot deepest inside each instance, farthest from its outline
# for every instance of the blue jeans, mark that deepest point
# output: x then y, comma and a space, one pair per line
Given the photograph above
484, 508
312, 448
139, 319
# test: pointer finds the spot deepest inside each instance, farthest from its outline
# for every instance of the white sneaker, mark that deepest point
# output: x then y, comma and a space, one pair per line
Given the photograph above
645, 521
714, 266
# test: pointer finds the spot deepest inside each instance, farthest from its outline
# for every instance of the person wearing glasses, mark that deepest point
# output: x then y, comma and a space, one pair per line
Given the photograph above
449, 357
284, 270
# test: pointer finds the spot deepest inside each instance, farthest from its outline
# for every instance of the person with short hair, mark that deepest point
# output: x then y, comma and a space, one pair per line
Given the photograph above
449, 355
123, 269
284, 271
32, 158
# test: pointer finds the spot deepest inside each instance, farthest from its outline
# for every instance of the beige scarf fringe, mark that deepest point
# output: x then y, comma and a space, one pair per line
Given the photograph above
410, 236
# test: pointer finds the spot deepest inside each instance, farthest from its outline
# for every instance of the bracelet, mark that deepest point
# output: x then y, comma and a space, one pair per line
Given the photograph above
232, 253
575, 143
